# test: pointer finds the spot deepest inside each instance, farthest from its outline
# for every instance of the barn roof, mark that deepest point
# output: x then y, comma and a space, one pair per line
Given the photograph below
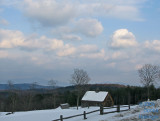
95, 96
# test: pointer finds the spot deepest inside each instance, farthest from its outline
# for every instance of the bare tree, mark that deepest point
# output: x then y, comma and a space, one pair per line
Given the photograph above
33, 85
148, 75
79, 78
53, 83
30, 95
13, 98
10, 85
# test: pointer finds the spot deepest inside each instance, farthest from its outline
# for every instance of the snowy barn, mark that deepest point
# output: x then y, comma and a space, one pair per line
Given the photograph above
94, 98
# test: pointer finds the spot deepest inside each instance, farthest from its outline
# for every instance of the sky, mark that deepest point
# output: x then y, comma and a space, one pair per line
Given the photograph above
42, 40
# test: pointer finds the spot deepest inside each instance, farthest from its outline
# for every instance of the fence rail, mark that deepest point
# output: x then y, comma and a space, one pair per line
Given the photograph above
101, 112
109, 112
92, 111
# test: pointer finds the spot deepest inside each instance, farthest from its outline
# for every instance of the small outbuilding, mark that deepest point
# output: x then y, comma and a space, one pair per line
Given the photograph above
97, 98
64, 106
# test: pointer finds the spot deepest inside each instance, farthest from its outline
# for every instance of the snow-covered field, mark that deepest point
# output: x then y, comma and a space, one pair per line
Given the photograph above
49, 115
147, 111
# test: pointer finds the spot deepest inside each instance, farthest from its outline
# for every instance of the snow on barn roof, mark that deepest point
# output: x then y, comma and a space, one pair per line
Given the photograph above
95, 96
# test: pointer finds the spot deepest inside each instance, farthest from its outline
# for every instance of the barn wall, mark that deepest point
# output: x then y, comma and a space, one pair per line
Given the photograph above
108, 101
90, 103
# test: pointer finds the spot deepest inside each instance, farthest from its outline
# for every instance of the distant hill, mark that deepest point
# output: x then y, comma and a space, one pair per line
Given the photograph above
108, 86
27, 86
93, 87
24, 86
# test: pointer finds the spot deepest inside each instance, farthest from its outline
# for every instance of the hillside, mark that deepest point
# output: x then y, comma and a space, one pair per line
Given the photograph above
139, 112
24, 86
49, 115
93, 87
27, 86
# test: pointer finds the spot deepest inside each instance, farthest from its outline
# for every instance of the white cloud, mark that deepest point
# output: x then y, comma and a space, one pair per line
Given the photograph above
89, 27
154, 45
16, 40
87, 48
46, 44
120, 55
10, 39
3, 22
71, 37
95, 55
55, 44
66, 51
51, 13
113, 9
66, 17
56, 13
125, 12
48, 12
128, 2
62, 30
122, 38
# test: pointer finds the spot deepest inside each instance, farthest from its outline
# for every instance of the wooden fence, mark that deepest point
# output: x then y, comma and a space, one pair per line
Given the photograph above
101, 110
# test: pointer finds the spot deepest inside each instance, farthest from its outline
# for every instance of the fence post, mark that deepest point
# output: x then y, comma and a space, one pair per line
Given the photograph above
84, 114
101, 110
61, 117
129, 107
118, 108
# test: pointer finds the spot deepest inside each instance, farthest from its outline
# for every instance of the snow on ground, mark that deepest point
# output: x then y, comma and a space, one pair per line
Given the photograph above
49, 115
152, 110
147, 111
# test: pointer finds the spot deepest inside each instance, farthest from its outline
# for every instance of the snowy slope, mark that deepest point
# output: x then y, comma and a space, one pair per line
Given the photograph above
49, 115
151, 112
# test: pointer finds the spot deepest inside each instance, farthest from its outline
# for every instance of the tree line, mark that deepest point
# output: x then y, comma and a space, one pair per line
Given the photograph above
33, 99
18, 100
